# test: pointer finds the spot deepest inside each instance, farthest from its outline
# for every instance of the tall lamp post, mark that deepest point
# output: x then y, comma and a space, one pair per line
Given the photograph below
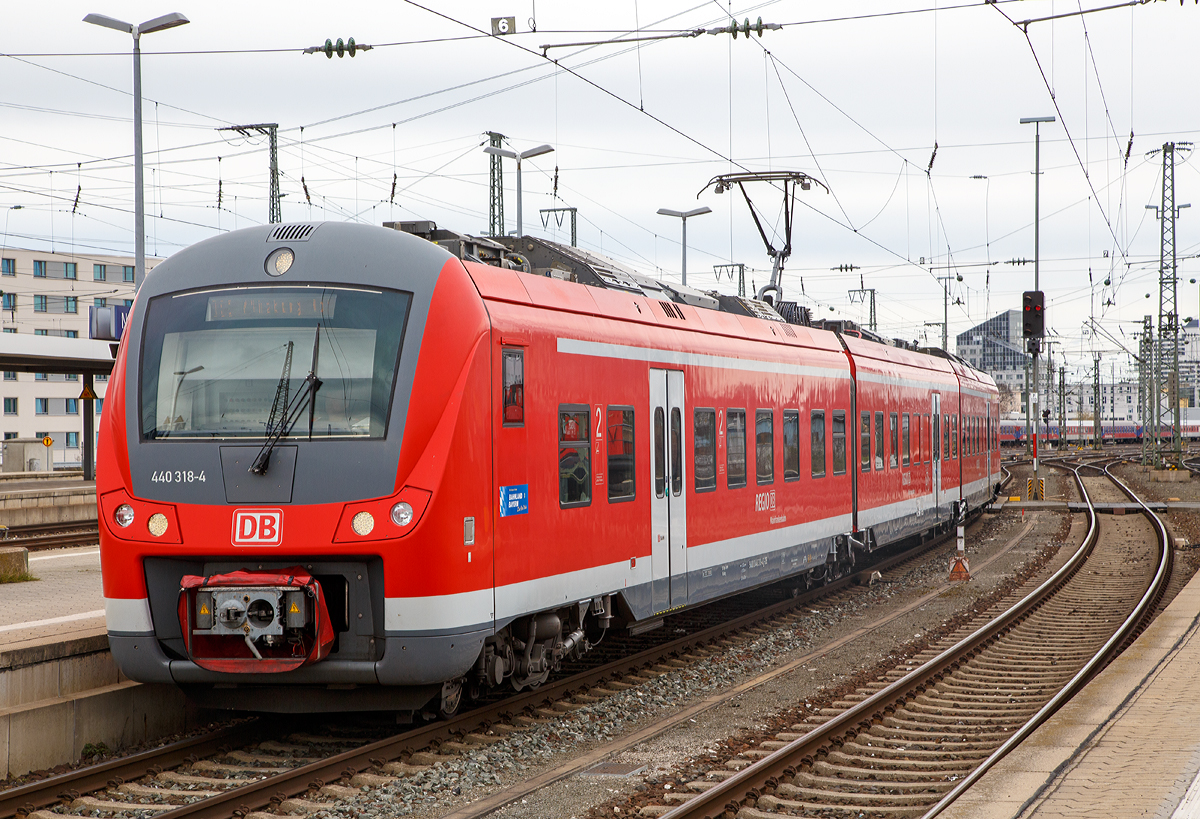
139, 205
1036, 343
518, 155
683, 217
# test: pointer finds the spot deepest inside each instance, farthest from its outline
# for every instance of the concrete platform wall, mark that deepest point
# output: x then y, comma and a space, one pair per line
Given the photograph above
35, 507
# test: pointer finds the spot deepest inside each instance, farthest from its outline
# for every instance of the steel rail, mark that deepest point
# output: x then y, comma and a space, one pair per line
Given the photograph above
259, 794
45, 792
728, 794
1093, 666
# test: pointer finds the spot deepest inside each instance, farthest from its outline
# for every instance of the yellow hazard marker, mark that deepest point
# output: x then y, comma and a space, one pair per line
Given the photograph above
293, 609
88, 394
203, 609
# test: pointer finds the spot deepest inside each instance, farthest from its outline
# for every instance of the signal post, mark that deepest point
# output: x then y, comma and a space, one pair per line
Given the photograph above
1033, 320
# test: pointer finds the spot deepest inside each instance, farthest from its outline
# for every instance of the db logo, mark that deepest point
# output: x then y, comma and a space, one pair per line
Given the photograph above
257, 527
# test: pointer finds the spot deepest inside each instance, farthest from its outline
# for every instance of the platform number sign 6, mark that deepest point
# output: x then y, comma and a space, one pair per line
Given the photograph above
504, 25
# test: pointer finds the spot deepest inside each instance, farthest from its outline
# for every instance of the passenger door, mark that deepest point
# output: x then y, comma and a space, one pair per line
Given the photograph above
668, 529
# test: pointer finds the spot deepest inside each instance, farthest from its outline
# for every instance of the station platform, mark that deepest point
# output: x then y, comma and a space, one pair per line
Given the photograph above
29, 499
66, 602
1128, 745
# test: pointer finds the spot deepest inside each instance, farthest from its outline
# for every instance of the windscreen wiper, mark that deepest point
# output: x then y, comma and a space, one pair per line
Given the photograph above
306, 394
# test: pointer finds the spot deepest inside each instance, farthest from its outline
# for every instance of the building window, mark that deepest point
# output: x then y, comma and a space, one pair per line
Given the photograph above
99, 405
99, 272
574, 456
70, 334
704, 449
39, 304
513, 397
8, 436
791, 445
127, 273
817, 429
8, 267
41, 406
39, 269
10, 406
735, 448
70, 304
764, 446
72, 406
839, 442
40, 332
128, 302
72, 440
39, 376
10, 375
71, 270
10, 301
100, 302
621, 462
10, 329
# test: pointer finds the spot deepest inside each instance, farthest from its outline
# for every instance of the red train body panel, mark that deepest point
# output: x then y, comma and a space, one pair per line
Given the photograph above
483, 469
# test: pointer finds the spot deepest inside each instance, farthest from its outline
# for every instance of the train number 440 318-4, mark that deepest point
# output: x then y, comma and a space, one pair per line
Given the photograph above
177, 476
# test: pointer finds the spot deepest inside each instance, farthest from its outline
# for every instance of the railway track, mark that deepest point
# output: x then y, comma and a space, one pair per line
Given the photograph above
54, 536
909, 744
252, 766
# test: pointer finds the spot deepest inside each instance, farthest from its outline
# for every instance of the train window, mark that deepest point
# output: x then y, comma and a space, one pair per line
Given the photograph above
574, 456
704, 449
764, 446
735, 448
818, 443
893, 452
864, 435
954, 437
660, 453
216, 361
839, 442
676, 452
513, 393
905, 441
879, 441
927, 437
936, 438
621, 461
791, 445
945, 437
916, 452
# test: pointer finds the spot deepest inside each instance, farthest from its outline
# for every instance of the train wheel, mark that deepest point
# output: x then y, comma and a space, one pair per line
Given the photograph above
452, 691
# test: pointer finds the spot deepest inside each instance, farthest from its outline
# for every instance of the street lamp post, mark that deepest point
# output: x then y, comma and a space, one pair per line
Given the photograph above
683, 217
1036, 343
7, 213
139, 204
519, 155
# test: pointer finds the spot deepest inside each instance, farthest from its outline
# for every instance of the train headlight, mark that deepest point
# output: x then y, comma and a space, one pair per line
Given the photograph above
157, 524
402, 514
363, 523
123, 515
280, 261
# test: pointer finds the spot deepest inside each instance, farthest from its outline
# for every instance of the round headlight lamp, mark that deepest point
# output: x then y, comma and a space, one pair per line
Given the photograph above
123, 515
402, 514
363, 523
280, 261
157, 524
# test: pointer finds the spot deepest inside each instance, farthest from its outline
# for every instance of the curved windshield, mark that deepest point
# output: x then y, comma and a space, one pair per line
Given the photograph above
316, 361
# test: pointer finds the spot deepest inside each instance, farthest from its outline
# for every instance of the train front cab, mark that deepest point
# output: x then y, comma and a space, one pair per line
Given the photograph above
408, 595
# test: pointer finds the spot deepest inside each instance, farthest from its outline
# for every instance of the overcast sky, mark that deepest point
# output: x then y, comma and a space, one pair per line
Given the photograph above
854, 93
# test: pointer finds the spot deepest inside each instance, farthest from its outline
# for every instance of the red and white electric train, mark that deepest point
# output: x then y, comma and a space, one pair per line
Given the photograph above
342, 467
